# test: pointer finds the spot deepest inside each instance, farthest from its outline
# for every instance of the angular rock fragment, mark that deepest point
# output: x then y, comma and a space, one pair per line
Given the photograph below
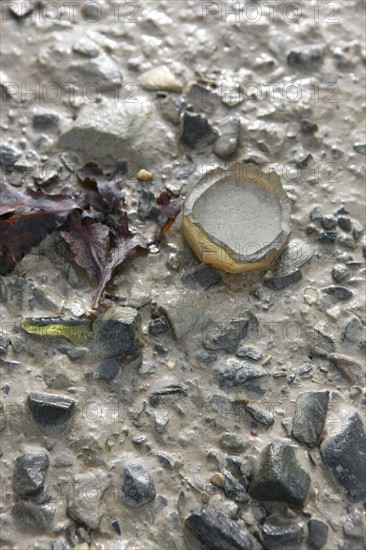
296, 254
235, 373
228, 334
202, 275
338, 293
228, 141
354, 526
351, 369
231, 443
118, 130
117, 333
33, 517
279, 476
260, 415
8, 157
217, 532
249, 352
196, 129
30, 473
308, 423
51, 412
351, 330
137, 486
345, 455
280, 532
234, 489
84, 501
317, 533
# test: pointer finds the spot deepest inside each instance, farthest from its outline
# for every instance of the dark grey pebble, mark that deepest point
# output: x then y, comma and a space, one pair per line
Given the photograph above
117, 333
315, 214
317, 533
45, 121
249, 352
281, 281
329, 221
8, 157
360, 148
137, 486
327, 237
235, 373
161, 349
116, 527
108, 370
227, 334
159, 396
202, 275
30, 473
206, 357
338, 292
280, 532
345, 223
234, 489
279, 476
345, 455
308, 127
51, 412
310, 413
217, 532
33, 517
158, 326
351, 331
196, 128
307, 56
340, 273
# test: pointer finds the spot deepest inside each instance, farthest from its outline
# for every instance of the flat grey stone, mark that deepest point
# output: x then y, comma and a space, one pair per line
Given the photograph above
137, 486
30, 473
345, 455
84, 501
279, 476
217, 532
51, 412
235, 373
310, 413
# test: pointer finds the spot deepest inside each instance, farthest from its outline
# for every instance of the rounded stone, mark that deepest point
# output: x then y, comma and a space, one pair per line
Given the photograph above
237, 220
